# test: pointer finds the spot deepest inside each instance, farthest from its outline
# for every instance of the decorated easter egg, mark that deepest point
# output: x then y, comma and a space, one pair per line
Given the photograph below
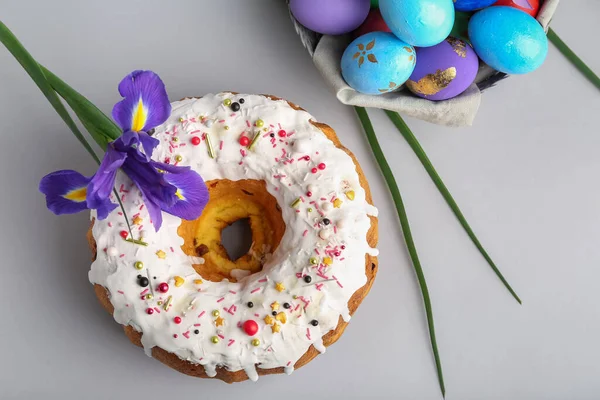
471, 5
443, 71
331, 17
420, 23
531, 7
508, 39
377, 63
373, 23
460, 29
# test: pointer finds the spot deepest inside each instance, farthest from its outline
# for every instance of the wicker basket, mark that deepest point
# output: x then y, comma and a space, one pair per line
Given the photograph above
459, 111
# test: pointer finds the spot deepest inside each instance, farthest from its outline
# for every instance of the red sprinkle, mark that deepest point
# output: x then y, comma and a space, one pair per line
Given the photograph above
196, 140
163, 287
124, 234
177, 320
250, 327
314, 170
149, 311
322, 166
282, 133
244, 141
308, 194
175, 335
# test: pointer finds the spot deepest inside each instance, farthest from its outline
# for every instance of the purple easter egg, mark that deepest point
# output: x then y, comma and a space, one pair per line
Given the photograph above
444, 70
330, 17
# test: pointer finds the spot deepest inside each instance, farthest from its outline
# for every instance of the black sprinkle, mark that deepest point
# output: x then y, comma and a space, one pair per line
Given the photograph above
196, 331
143, 281
242, 101
272, 135
274, 313
139, 276
235, 106
314, 322
153, 277
250, 304
286, 305
326, 221
307, 279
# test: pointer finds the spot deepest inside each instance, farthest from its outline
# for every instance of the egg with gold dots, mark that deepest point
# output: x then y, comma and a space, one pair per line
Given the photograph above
444, 71
377, 63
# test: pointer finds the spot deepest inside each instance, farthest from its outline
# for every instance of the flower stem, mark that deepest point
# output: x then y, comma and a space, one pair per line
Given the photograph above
420, 153
573, 58
124, 213
412, 250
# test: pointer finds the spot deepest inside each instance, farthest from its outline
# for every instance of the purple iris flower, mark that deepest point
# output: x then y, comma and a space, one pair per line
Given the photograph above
175, 190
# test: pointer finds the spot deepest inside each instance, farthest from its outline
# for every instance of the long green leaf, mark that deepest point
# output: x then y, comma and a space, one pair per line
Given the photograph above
420, 153
33, 69
94, 120
412, 250
575, 60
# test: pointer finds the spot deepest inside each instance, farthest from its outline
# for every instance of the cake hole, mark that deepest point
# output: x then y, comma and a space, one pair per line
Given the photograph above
237, 239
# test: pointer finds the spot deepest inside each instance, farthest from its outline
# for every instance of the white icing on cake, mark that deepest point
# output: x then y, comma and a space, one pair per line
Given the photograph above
284, 162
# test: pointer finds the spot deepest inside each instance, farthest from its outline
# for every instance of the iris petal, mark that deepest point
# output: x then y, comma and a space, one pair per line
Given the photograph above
63, 191
192, 195
103, 182
145, 103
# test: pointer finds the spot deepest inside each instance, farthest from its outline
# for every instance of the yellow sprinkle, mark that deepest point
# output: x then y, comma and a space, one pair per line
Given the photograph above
255, 342
350, 195
226, 127
211, 151
219, 321
274, 306
327, 261
198, 281
137, 220
227, 102
214, 339
314, 260
269, 320
178, 158
161, 254
275, 328
279, 287
149, 296
175, 139
168, 303
294, 297
179, 281
259, 123
310, 209
159, 303
337, 203
295, 203
216, 313
281, 317
254, 140
181, 119
138, 265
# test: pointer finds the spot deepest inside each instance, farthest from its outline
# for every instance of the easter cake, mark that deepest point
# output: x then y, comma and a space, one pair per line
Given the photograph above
312, 261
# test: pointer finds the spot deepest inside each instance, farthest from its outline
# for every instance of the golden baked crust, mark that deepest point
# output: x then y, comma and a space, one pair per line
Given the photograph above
197, 370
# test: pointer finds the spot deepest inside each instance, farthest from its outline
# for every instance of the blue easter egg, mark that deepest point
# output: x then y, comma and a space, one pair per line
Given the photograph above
377, 63
472, 5
508, 40
421, 23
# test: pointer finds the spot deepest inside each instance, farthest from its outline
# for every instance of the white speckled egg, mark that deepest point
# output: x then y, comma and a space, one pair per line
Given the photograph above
378, 63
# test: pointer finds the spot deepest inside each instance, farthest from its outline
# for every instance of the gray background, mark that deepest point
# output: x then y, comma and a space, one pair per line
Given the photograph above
526, 176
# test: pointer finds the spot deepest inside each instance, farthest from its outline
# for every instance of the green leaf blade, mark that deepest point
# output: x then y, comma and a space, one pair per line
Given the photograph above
94, 120
573, 58
420, 153
8, 39
404, 223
